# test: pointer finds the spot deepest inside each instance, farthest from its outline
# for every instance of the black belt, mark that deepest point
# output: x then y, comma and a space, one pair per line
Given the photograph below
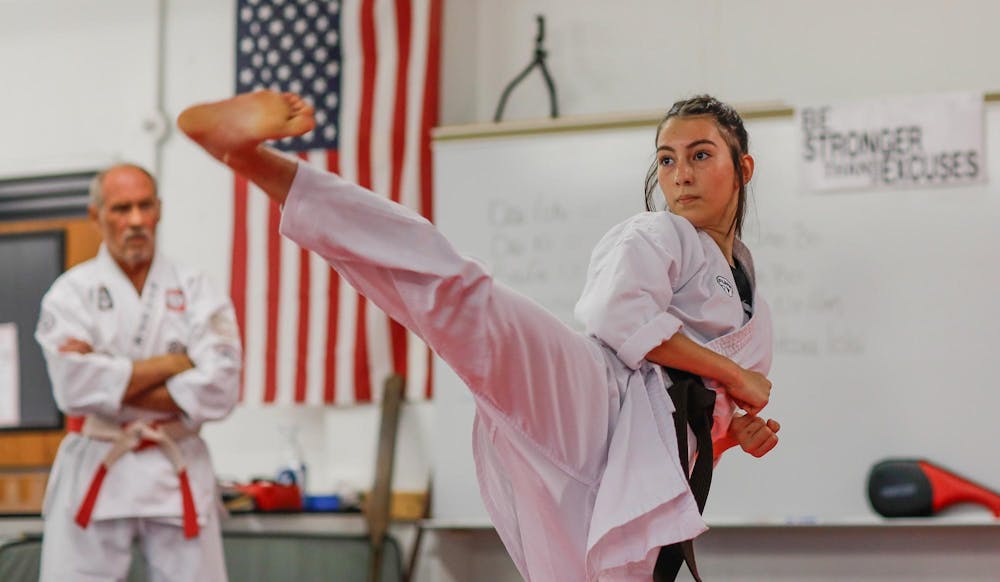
694, 405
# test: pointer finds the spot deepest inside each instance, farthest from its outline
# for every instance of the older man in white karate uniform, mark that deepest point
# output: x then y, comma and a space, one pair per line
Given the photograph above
141, 351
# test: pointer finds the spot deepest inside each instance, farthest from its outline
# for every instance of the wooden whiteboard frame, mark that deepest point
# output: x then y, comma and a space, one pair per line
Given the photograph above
763, 110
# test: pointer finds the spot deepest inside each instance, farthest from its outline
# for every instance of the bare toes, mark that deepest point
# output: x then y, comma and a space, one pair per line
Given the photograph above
295, 103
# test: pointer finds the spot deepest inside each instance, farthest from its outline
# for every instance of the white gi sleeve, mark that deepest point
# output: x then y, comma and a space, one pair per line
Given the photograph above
210, 390
630, 284
93, 383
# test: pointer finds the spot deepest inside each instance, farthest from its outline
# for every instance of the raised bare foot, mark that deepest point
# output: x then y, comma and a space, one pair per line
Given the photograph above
244, 121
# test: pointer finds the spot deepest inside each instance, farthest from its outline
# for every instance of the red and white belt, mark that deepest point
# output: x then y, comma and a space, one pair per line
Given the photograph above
135, 436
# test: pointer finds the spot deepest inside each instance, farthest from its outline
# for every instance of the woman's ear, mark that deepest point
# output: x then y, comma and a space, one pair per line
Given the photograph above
747, 164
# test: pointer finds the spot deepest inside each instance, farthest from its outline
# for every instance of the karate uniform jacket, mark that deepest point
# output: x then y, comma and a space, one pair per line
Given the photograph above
178, 311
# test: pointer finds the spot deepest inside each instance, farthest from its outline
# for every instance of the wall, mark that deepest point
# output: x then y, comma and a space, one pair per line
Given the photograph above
77, 82
78, 89
643, 54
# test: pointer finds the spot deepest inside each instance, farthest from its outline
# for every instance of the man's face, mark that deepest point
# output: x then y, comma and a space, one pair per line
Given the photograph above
128, 216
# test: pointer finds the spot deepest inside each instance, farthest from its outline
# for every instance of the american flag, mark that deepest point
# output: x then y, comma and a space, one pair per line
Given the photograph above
370, 68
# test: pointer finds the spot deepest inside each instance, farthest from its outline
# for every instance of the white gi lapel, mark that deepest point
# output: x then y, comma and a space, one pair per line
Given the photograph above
152, 303
112, 302
750, 347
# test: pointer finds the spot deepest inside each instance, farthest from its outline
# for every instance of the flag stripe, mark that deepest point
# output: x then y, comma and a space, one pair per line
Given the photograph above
375, 320
238, 267
362, 379
258, 206
288, 310
348, 160
302, 351
302, 347
430, 111
316, 358
333, 311
397, 332
273, 302
369, 64
430, 116
416, 349
403, 33
345, 348
332, 317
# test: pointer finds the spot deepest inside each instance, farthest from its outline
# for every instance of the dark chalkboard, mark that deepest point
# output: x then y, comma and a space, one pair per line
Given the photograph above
29, 263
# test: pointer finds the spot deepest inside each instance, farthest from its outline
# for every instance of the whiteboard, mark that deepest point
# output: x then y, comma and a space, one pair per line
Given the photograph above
885, 308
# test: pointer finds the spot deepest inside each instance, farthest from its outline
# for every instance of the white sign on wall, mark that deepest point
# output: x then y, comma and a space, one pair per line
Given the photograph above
893, 142
10, 376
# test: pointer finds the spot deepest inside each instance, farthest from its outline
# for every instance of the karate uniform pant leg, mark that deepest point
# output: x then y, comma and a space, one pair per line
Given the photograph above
505, 347
100, 553
103, 551
170, 557
548, 385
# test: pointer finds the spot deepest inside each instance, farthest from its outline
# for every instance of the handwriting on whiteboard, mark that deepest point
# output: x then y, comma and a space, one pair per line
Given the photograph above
540, 245
812, 317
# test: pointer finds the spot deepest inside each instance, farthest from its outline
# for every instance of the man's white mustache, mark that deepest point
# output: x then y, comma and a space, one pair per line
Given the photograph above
142, 234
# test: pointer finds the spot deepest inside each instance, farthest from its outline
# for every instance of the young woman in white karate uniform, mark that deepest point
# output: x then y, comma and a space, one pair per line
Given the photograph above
574, 439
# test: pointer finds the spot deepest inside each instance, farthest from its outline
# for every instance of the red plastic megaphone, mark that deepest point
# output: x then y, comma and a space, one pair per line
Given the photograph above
918, 488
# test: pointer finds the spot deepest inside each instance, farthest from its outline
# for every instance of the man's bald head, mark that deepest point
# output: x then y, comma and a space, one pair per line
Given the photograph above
97, 183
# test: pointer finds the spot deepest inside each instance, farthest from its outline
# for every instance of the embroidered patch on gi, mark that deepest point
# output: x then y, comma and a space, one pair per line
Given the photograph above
176, 347
175, 300
104, 302
725, 284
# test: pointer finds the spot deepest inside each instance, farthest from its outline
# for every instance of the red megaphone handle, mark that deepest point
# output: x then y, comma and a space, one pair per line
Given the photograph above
949, 489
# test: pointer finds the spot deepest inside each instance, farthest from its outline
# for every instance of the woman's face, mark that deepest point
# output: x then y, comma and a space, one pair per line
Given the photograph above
696, 174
